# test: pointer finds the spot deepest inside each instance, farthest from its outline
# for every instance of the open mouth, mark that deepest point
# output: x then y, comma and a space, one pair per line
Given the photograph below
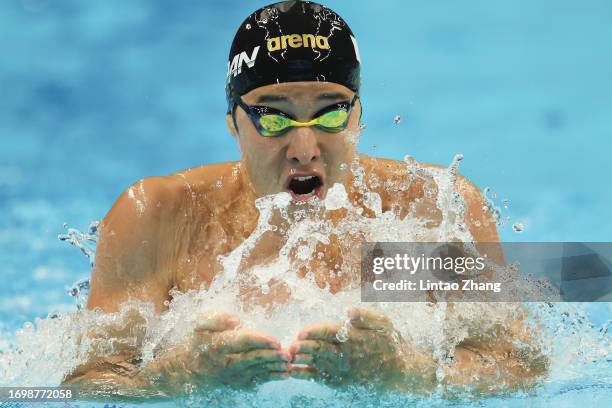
302, 187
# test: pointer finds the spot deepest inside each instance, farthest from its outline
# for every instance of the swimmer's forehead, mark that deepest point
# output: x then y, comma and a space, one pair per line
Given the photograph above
299, 92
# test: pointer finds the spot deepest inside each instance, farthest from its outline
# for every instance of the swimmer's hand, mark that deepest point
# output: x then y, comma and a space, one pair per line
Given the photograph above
374, 353
221, 354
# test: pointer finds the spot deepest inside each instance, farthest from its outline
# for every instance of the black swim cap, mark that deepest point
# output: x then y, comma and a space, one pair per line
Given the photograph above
291, 41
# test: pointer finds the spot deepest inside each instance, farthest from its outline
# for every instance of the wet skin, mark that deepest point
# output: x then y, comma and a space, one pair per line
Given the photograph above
166, 232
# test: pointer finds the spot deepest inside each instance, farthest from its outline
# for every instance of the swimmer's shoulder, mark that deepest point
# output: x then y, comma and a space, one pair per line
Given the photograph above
382, 167
210, 178
162, 198
158, 198
134, 249
390, 178
469, 190
391, 175
393, 168
398, 170
140, 211
480, 222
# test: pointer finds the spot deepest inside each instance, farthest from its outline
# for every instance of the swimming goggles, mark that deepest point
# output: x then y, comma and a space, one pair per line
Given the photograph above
271, 122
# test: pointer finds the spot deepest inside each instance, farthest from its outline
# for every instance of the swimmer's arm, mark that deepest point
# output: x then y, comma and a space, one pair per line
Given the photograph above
133, 255
131, 264
505, 359
112, 378
124, 378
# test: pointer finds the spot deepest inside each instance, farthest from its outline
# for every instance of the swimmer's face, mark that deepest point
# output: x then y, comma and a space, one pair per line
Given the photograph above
318, 158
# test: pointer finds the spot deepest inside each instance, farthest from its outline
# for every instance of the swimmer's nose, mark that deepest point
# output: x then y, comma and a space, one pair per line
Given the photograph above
303, 146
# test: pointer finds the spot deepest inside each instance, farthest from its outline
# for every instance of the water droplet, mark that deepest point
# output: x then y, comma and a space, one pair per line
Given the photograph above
85, 241
342, 334
362, 126
343, 166
344, 364
248, 26
518, 227
397, 119
80, 291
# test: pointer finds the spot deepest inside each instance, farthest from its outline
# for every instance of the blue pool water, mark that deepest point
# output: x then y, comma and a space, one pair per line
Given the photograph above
96, 95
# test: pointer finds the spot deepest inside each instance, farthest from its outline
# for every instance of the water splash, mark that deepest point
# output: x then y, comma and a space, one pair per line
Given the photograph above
304, 234
85, 241
491, 207
500, 213
80, 292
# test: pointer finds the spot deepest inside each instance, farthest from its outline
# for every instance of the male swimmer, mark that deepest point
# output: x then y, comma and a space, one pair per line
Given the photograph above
294, 107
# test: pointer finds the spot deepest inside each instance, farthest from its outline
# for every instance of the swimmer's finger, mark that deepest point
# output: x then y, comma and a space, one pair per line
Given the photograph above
255, 357
304, 373
245, 340
368, 319
218, 322
264, 369
266, 372
321, 362
325, 332
317, 348
302, 358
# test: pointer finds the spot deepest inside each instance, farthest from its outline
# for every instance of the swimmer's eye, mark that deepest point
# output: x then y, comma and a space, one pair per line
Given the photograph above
273, 125
333, 121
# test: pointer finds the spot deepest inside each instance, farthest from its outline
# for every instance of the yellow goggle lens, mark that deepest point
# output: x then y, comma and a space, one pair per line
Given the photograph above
274, 124
333, 119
